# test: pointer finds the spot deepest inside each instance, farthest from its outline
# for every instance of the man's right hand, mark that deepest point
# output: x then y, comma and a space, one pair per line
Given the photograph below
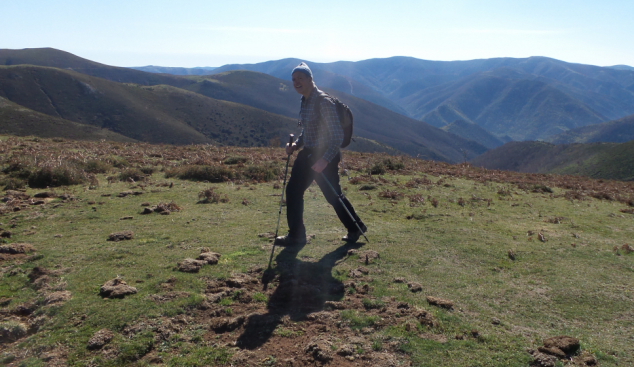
290, 148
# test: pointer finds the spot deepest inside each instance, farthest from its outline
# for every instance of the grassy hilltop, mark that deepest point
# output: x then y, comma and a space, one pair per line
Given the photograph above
465, 266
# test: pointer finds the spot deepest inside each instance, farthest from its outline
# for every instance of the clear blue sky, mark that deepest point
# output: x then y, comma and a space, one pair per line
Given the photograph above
213, 33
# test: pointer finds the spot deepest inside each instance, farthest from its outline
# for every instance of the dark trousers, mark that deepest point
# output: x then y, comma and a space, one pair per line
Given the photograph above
302, 176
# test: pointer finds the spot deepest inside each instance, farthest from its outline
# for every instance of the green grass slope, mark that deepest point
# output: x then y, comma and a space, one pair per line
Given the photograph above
21, 121
473, 132
463, 234
618, 131
598, 160
158, 114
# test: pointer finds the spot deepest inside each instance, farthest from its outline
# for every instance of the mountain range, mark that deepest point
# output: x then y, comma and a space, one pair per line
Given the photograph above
530, 98
243, 108
448, 111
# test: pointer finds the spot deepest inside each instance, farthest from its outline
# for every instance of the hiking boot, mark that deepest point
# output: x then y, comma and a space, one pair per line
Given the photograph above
353, 236
289, 241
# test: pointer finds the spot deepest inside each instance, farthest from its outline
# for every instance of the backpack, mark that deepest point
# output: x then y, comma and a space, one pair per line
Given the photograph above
345, 118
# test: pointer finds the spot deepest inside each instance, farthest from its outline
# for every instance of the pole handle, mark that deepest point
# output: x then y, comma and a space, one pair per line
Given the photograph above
290, 139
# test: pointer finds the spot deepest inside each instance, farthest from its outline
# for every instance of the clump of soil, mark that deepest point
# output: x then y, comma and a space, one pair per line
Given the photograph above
414, 287
190, 265
57, 297
116, 288
210, 257
16, 248
162, 208
560, 346
99, 339
435, 301
12, 330
121, 236
193, 265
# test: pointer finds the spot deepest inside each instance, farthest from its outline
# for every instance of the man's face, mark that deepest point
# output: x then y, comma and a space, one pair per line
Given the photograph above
302, 83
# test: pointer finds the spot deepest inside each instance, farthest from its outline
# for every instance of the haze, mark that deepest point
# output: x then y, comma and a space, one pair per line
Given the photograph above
214, 33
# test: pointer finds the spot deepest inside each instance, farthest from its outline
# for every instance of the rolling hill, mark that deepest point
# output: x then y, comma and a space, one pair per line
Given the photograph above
371, 121
471, 131
504, 102
617, 131
156, 114
64, 60
596, 160
21, 121
256, 90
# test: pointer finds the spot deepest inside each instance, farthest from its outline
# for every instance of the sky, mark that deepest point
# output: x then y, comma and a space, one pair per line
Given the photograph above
191, 33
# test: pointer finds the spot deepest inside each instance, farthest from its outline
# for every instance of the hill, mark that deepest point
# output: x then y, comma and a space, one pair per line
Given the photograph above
371, 121
273, 95
21, 121
464, 267
618, 131
157, 114
51, 57
175, 71
471, 131
597, 160
503, 102
592, 91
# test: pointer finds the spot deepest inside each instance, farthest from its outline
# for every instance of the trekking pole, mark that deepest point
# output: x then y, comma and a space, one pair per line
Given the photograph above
340, 197
279, 214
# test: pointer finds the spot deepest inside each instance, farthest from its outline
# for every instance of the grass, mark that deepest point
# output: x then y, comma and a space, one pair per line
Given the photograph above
457, 252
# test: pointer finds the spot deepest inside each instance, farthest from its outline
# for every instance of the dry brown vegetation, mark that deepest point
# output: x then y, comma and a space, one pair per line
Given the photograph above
59, 162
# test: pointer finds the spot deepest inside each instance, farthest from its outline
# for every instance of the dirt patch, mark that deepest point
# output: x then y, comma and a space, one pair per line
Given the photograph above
121, 236
116, 288
57, 297
560, 346
414, 287
298, 317
368, 256
162, 298
16, 248
190, 265
162, 208
435, 301
99, 339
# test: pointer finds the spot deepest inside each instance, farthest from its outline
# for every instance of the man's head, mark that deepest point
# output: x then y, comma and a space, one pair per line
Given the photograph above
303, 79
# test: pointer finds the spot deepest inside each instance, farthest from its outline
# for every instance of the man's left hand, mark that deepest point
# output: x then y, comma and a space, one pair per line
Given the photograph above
320, 165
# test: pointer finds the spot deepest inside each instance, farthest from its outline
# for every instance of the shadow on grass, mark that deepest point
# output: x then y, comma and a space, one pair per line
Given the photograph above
303, 288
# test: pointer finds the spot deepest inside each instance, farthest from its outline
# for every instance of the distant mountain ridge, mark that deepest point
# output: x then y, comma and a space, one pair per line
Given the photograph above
471, 131
617, 131
204, 70
152, 111
428, 90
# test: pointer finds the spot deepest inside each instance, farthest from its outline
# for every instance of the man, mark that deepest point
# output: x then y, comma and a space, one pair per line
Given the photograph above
320, 139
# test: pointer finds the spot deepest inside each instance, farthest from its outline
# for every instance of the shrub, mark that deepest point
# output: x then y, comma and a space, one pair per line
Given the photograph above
116, 161
11, 183
64, 175
235, 160
202, 173
131, 173
96, 166
261, 173
148, 170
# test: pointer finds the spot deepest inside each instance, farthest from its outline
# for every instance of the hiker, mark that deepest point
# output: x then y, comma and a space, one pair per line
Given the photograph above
321, 138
